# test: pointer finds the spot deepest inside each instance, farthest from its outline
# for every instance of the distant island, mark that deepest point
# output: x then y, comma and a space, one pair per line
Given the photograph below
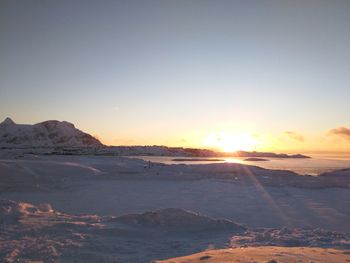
268, 155
254, 159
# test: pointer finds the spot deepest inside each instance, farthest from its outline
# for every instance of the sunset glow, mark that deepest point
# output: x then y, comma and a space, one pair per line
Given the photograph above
231, 142
176, 74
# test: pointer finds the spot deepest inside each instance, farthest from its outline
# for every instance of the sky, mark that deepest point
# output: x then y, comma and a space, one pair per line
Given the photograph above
272, 74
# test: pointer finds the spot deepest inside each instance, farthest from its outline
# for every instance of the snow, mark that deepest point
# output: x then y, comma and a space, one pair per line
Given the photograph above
48, 133
115, 186
50, 235
115, 209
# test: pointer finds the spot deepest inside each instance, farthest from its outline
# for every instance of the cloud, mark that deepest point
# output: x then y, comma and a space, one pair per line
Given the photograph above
340, 131
295, 136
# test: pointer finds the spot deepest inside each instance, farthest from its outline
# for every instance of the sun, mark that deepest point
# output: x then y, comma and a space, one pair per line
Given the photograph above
231, 142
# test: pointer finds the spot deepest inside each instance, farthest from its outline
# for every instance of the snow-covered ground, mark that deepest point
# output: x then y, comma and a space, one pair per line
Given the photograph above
116, 186
254, 206
36, 233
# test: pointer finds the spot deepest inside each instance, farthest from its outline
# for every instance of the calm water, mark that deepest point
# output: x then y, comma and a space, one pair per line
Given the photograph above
317, 164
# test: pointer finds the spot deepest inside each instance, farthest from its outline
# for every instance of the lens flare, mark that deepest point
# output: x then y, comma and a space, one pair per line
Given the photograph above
231, 142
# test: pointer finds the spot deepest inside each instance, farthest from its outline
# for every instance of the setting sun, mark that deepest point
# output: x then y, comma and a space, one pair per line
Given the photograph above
231, 142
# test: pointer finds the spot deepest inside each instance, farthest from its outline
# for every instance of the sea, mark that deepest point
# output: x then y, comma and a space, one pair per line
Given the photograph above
317, 164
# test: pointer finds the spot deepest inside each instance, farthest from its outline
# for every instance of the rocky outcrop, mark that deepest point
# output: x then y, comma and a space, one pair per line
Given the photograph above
178, 218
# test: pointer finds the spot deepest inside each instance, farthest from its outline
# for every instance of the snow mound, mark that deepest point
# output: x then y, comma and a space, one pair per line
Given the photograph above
178, 218
45, 134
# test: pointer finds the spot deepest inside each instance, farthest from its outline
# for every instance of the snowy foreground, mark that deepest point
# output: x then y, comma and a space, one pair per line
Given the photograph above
114, 209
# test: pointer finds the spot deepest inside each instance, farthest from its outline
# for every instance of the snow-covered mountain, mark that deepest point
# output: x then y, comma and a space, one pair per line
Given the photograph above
44, 134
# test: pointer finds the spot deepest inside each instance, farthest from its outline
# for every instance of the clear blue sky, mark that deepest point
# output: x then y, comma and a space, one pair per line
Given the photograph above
169, 72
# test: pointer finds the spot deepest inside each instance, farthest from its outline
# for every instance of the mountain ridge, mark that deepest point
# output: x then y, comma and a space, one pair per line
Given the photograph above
49, 133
